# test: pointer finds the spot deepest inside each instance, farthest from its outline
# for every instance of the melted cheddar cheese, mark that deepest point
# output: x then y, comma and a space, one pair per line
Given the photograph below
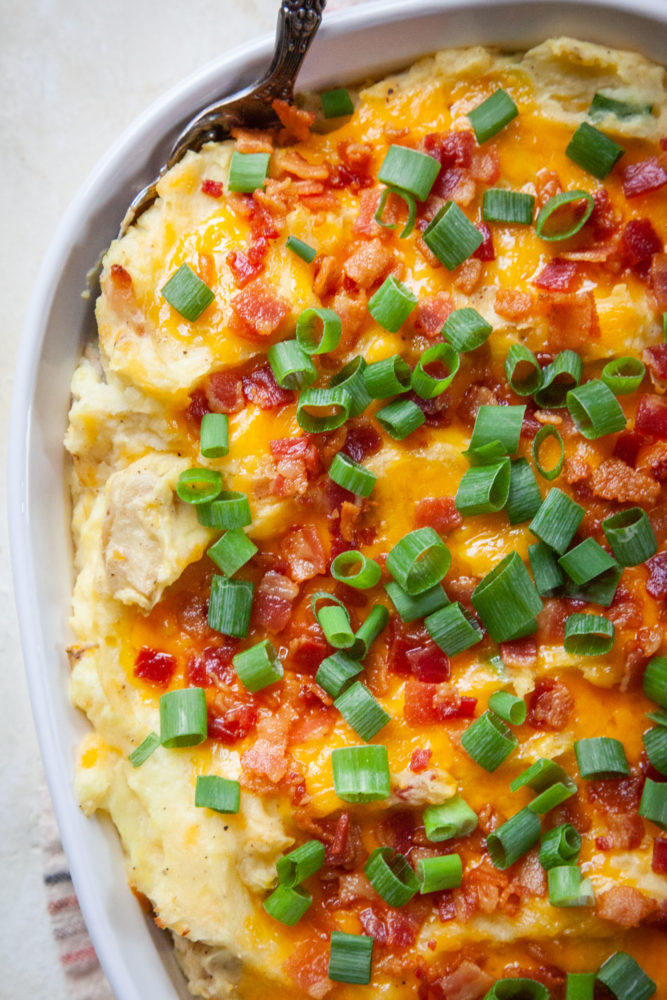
143, 577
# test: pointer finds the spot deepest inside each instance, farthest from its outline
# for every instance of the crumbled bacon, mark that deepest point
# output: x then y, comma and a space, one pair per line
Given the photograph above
519, 652
224, 392
365, 224
576, 470
212, 666
426, 704
272, 603
252, 140
394, 928
659, 863
362, 439
303, 552
439, 513
428, 663
550, 704
638, 651
368, 262
638, 244
468, 275
623, 905
467, 982
625, 832
651, 418
658, 280
354, 170
307, 650
452, 149
351, 308
614, 480
292, 162
154, 666
197, 407
260, 387
485, 250
512, 304
573, 320
308, 966
558, 276
485, 166
476, 395
627, 446
547, 184
654, 460
247, 264
233, 725
643, 177
615, 797
260, 309
420, 759
436, 410
455, 184
655, 359
656, 585
212, 188
296, 123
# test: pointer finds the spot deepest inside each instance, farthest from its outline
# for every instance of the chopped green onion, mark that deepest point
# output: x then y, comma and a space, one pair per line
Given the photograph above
435, 874
355, 569
452, 629
221, 794
623, 375
603, 105
552, 797
488, 741
630, 536
600, 590
294, 868
336, 673
228, 510
388, 377
524, 498
506, 599
336, 103
543, 774
453, 818
659, 716
334, 620
588, 635
595, 409
351, 378
568, 226
400, 418
350, 958
522, 370
419, 560
183, 721
291, 366
361, 711
370, 629
361, 774
429, 386
546, 571
568, 888
601, 758
199, 485
320, 410
517, 989
391, 305
487, 454
466, 330
580, 986
259, 666
451, 237
655, 742
232, 551
653, 805
559, 846
509, 842
409, 170
141, 753
655, 680
391, 876
586, 561
563, 374
547, 431
498, 423
287, 905
318, 331
625, 978
557, 520
214, 435
492, 115
411, 207
508, 707
247, 171
352, 475
301, 249
500, 205
593, 151
412, 608
230, 606
187, 293
484, 488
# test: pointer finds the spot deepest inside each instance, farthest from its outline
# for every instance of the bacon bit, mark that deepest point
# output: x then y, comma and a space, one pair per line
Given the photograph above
351, 307
272, 603
446, 908
297, 462
627, 446
549, 975
294, 163
512, 305
365, 224
327, 276
485, 166
213, 666
558, 276
604, 221
431, 313
519, 652
234, 725
485, 250
252, 140
154, 667
624, 906
224, 392
261, 388
616, 797
573, 320
403, 638
246, 265
654, 460
658, 280
307, 651
639, 243
197, 407
429, 664
659, 863
260, 309
344, 846
468, 982
626, 832
296, 123
308, 966
637, 652
426, 704
455, 184
439, 513
421, 758
212, 188
436, 410
326, 202
576, 470
550, 704
643, 177
481, 889
353, 171
302, 448
368, 263
614, 480
651, 416
302, 550
349, 518
547, 184
393, 928
656, 585
626, 609
476, 395
271, 205
362, 439
551, 619
655, 359
452, 149
468, 275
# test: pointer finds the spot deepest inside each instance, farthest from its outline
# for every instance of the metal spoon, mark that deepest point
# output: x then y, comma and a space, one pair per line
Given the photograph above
298, 21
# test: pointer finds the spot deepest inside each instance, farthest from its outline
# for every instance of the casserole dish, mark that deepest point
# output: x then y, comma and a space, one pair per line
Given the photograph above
358, 42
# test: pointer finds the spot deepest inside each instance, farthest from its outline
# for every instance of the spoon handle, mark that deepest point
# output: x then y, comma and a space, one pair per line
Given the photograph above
298, 21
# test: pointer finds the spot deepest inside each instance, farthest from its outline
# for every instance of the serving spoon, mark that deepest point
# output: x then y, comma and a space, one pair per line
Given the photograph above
298, 21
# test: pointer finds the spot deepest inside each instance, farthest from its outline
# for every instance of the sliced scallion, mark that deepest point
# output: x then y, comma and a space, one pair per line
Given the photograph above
388, 377
232, 551
452, 629
595, 409
484, 489
350, 958
557, 520
506, 599
547, 573
601, 758
361, 774
586, 561
509, 842
352, 475
336, 103
655, 743
568, 888
492, 115
229, 510
220, 794
183, 721
559, 846
524, 498
361, 711
429, 386
563, 374
488, 741
351, 378
466, 329
214, 435
321, 410
370, 629
522, 370
580, 986
501, 205
625, 978
318, 331
334, 620
653, 805
356, 570
588, 635
291, 366
548, 431
247, 171
655, 680
452, 237
199, 485
508, 707
630, 536
301, 249
409, 170
436, 874
446, 820
593, 151
400, 418
410, 203
412, 608
517, 989
336, 673
603, 105
391, 876
141, 753
419, 560
187, 293
259, 666
287, 905
391, 305
623, 375
553, 223
294, 868
498, 423
230, 605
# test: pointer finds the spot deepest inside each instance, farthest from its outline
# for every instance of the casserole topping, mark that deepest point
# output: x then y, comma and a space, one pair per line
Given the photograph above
369, 524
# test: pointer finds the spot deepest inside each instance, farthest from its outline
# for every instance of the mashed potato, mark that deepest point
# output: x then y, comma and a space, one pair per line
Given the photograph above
141, 614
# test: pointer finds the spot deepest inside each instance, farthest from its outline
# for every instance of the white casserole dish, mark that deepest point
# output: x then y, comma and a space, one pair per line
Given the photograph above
352, 44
